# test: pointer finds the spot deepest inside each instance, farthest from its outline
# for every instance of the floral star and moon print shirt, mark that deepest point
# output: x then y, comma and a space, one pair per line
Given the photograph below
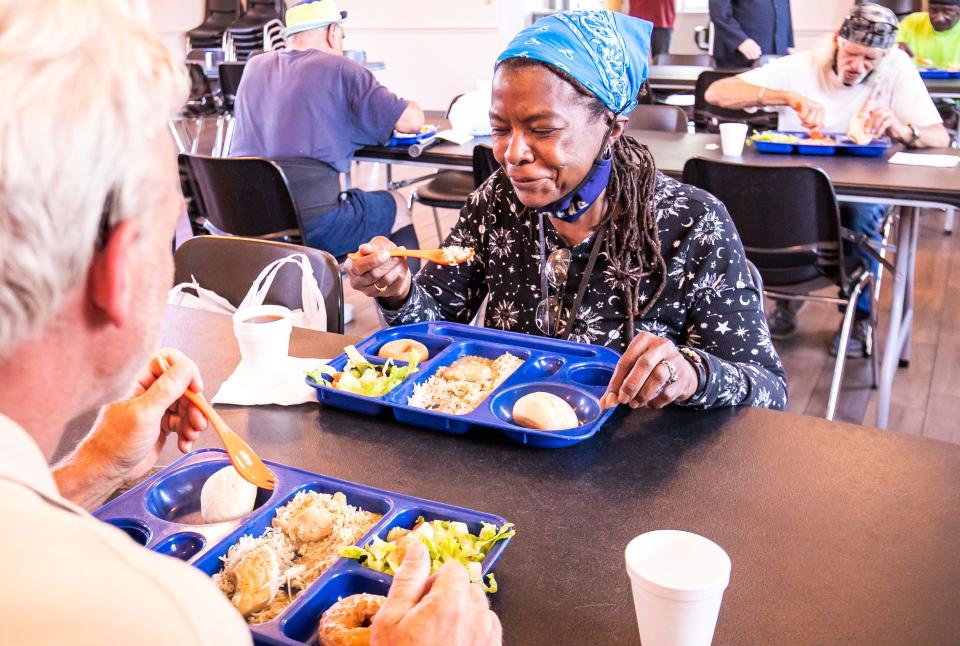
709, 302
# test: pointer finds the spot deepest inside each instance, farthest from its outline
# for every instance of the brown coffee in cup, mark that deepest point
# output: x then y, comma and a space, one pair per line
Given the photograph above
269, 318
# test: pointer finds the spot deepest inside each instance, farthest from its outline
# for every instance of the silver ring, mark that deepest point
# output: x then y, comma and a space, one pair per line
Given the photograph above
378, 288
673, 371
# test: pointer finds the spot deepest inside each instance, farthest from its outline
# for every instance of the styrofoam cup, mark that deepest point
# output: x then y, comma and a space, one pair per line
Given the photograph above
678, 579
263, 334
732, 138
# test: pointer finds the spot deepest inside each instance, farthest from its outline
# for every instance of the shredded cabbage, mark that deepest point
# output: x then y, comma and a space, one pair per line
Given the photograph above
445, 541
362, 377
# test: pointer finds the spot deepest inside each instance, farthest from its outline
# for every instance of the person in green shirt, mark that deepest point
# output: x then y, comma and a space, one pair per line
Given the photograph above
932, 38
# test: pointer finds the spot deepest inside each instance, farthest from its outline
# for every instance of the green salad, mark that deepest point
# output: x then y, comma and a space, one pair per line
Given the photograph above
445, 540
363, 377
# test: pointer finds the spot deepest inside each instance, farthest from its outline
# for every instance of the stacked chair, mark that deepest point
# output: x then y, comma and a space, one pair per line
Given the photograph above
258, 26
219, 15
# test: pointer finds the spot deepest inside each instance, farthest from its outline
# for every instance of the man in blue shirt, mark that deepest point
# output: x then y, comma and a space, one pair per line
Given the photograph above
745, 30
311, 101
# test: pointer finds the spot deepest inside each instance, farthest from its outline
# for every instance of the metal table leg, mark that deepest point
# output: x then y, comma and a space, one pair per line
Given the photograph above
908, 297
901, 314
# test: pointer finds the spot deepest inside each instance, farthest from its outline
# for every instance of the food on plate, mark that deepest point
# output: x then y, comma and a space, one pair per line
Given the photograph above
404, 350
924, 62
819, 139
226, 496
858, 132
363, 377
445, 540
460, 387
424, 130
456, 255
347, 622
544, 412
775, 137
262, 576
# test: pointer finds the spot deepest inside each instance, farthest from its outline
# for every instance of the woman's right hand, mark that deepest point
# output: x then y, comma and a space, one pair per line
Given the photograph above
378, 275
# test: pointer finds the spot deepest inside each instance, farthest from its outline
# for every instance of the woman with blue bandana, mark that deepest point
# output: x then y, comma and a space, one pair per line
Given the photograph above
578, 236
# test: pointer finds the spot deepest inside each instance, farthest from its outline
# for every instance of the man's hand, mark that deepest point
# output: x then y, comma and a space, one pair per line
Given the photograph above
750, 49
642, 379
443, 609
882, 121
129, 435
811, 113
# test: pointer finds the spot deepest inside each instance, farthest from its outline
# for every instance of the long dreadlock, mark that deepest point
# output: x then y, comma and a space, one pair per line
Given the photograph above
632, 238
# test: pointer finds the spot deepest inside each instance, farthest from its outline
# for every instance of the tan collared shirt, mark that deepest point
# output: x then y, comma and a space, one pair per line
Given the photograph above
67, 578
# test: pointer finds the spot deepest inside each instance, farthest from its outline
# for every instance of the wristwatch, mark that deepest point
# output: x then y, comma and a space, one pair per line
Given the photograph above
915, 136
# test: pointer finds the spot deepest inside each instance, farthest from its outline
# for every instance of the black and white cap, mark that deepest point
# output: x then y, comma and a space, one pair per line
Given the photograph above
872, 25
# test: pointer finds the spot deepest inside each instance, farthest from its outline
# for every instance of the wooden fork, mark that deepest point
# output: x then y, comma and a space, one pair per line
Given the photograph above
247, 463
432, 255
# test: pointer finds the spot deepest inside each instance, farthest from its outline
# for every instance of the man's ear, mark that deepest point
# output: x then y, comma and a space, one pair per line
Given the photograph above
108, 282
332, 35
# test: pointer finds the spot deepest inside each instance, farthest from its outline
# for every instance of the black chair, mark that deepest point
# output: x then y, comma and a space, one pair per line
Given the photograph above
254, 197
229, 265
200, 104
662, 118
449, 189
230, 76
696, 60
218, 16
789, 222
708, 117
246, 33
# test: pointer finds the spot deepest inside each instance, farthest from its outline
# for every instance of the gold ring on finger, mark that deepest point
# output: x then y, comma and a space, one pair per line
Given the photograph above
673, 371
376, 285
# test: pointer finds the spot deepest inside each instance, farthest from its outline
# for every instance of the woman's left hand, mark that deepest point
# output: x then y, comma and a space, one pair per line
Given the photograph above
642, 377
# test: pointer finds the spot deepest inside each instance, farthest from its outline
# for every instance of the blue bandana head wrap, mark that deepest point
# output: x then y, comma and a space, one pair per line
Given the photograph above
606, 53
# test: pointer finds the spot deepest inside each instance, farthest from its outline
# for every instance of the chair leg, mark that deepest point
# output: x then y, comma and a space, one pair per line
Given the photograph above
218, 138
436, 221
228, 138
838, 367
197, 131
177, 138
950, 220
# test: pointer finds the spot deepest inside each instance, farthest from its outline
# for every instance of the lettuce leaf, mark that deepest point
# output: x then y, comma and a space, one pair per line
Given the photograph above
363, 377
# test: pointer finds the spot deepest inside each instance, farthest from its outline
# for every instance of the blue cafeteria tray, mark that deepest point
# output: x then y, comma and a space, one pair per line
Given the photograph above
399, 139
843, 146
162, 513
938, 73
576, 372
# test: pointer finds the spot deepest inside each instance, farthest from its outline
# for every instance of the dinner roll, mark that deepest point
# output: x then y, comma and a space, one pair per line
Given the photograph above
402, 349
226, 496
544, 412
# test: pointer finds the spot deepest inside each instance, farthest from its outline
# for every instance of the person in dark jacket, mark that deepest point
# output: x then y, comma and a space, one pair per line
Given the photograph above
745, 30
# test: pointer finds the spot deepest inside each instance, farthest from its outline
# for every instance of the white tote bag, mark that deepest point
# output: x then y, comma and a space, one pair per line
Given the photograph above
313, 315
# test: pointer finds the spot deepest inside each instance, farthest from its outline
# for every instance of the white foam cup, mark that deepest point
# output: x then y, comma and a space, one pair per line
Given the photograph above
678, 579
263, 334
732, 138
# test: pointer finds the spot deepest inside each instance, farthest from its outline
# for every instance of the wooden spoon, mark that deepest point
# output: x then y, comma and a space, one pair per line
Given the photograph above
247, 463
438, 256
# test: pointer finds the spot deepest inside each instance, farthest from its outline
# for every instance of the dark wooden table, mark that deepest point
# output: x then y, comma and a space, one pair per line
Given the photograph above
854, 178
837, 533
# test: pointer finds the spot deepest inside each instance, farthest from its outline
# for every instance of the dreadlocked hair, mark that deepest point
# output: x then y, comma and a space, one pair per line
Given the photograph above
632, 237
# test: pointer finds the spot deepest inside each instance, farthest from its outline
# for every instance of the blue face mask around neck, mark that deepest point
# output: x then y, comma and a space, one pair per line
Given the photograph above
573, 205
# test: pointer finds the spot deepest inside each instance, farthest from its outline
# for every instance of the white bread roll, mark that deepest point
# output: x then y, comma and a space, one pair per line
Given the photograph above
544, 412
226, 496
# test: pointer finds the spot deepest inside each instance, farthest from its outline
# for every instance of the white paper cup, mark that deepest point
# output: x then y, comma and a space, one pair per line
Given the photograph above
263, 334
678, 579
732, 138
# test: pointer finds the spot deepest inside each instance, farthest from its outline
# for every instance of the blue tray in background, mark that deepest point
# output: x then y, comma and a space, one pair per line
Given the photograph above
576, 372
938, 73
843, 146
401, 139
162, 513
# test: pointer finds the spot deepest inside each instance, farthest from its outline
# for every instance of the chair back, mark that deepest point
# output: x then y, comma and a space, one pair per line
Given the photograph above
663, 118
230, 75
484, 164
707, 116
251, 196
786, 216
229, 265
696, 60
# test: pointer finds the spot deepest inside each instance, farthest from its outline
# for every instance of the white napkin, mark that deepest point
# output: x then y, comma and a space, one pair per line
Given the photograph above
921, 159
249, 389
458, 138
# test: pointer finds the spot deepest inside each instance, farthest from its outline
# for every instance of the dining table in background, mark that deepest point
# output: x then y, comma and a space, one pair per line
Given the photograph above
837, 533
855, 179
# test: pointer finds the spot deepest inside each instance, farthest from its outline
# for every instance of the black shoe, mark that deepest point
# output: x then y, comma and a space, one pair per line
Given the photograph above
783, 320
860, 343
